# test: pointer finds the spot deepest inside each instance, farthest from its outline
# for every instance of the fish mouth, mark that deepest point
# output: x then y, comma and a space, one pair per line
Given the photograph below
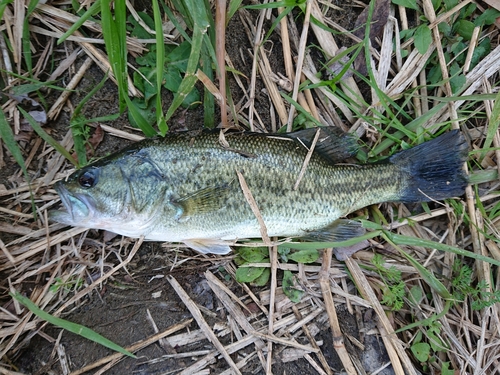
77, 207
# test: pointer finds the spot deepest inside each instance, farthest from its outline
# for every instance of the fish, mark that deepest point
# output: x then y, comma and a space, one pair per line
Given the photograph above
184, 187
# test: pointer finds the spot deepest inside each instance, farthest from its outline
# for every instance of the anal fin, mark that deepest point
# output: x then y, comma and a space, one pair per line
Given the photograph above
339, 230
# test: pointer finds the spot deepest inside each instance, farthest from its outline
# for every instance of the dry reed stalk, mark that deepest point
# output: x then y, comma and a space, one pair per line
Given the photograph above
210, 358
210, 86
328, 44
335, 272
103, 63
7, 253
41, 245
58, 34
86, 290
17, 33
232, 271
368, 294
311, 76
414, 84
287, 51
261, 61
273, 91
393, 355
273, 257
300, 62
220, 51
240, 364
414, 64
306, 159
135, 347
309, 99
313, 342
49, 14
223, 291
304, 98
223, 294
472, 48
59, 103
279, 340
237, 78
255, 209
256, 44
7, 64
486, 68
195, 311
338, 339
5, 371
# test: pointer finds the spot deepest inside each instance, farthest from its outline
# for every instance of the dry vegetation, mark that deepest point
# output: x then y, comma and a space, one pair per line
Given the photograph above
59, 268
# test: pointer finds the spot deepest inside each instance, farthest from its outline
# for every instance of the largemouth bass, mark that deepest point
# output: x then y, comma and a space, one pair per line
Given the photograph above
185, 188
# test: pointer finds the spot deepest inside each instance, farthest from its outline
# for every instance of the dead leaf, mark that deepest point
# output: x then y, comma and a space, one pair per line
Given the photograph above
92, 143
378, 21
32, 107
95, 140
336, 68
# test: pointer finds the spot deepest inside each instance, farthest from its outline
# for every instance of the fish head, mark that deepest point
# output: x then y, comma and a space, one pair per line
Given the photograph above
94, 197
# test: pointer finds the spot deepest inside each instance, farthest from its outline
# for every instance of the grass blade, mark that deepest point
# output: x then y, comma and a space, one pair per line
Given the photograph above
47, 138
70, 326
399, 239
324, 245
7, 136
160, 63
8, 139
3, 5
493, 125
94, 8
113, 41
200, 27
428, 276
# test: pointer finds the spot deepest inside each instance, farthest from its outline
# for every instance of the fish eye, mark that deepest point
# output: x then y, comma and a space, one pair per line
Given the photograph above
88, 179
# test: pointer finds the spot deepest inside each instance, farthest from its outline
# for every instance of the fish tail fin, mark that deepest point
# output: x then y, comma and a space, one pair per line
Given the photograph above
434, 169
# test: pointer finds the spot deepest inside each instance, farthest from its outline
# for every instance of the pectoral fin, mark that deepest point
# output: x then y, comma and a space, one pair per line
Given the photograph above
208, 245
339, 230
202, 201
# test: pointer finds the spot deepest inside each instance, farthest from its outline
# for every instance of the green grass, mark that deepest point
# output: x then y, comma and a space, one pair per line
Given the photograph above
70, 326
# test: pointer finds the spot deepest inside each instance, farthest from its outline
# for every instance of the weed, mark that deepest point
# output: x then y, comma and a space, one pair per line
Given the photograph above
463, 287
393, 292
259, 276
67, 285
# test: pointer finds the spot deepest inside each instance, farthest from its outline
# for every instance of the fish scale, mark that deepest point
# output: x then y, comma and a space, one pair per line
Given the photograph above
184, 187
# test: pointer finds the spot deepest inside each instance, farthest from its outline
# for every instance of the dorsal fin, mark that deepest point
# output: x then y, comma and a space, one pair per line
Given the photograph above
333, 144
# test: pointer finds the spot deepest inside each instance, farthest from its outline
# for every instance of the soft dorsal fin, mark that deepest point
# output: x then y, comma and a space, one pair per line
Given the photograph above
333, 144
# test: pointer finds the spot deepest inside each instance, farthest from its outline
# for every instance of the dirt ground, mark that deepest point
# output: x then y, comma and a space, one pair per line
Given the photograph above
138, 301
